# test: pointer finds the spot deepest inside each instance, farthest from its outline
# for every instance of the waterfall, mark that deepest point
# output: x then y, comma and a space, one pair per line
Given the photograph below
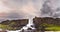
30, 22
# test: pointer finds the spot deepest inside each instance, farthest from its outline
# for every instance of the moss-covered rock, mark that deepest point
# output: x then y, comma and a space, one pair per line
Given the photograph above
13, 24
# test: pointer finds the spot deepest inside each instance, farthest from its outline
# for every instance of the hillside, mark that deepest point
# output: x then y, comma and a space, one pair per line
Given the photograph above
47, 23
13, 24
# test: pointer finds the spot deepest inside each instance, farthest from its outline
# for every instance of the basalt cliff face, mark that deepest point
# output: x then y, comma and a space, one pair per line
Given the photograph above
48, 20
43, 22
14, 24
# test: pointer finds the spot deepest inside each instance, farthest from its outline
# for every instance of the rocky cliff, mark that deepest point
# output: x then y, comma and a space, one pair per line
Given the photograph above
48, 20
14, 24
42, 22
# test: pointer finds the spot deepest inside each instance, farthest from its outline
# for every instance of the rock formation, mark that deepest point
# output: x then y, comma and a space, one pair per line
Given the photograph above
42, 22
15, 24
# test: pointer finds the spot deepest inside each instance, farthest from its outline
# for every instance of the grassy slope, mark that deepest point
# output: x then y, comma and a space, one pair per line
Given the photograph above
52, 27
5, 27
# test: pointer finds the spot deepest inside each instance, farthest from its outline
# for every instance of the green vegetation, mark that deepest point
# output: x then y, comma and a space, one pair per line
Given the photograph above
10, 26
13, 24
5, 27
49, 27
53, 28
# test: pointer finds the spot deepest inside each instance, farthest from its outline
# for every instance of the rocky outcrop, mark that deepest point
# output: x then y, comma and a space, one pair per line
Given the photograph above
15, 24
48, 20
42, 22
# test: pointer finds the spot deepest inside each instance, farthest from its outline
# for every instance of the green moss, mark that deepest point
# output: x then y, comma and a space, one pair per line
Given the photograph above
49, 27
6, 27
3, 26
53, 28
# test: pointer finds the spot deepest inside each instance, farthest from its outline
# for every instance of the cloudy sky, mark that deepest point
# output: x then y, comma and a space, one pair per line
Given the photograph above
25, 8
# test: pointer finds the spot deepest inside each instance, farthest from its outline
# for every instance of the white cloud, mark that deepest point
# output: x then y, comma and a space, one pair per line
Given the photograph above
3, 8
24, 8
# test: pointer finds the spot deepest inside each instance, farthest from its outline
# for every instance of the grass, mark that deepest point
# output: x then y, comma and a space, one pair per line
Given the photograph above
49, 27
53, 28
5, 27
10, 26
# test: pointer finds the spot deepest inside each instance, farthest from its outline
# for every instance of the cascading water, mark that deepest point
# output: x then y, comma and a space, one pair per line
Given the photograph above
30, 8
30, 23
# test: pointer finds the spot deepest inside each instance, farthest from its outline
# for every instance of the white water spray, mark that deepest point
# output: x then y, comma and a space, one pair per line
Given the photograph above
30, 23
